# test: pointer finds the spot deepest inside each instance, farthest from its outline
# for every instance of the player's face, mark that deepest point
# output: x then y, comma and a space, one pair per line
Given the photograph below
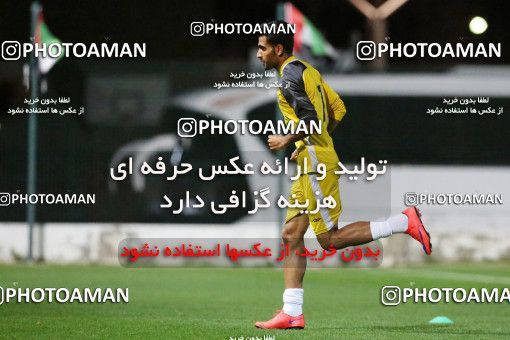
266, 54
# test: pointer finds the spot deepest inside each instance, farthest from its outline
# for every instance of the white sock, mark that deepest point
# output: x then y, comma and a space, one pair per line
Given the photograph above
394, 224
293, 301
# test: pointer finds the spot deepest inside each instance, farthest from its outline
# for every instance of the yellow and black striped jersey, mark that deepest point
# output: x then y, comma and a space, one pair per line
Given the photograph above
304, 95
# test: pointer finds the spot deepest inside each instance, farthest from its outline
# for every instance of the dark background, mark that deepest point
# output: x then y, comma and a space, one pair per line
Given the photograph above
73, 153
164, 25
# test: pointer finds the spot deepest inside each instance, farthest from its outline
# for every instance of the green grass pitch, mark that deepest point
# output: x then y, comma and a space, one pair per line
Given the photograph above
219, 303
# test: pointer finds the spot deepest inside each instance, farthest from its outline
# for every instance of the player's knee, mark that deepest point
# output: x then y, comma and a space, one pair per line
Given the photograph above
288, 237
291, 235
325, 240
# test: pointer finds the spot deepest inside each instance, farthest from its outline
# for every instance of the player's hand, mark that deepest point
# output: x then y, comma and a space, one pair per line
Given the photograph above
277, 142
294, 155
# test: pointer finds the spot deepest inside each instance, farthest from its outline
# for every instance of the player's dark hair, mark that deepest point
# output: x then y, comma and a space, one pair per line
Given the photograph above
285, 39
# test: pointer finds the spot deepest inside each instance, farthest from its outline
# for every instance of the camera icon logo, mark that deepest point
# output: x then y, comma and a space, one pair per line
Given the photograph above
5, 199
390, 295
410, 198
187, 127
197, 28
11, 50
365, 50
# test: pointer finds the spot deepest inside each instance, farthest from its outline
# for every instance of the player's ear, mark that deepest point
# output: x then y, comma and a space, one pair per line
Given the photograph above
279, 50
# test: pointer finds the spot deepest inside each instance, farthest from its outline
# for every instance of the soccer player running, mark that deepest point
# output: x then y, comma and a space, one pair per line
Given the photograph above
304, 96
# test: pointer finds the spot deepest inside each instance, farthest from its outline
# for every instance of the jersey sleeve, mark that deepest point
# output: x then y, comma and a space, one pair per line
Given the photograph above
336, 107
294, 91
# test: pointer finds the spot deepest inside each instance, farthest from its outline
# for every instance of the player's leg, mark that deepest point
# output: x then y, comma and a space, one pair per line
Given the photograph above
351, 235
294, 267
325, 221
357, 233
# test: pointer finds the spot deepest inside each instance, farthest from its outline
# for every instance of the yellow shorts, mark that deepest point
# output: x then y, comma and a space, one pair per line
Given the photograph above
308, 187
